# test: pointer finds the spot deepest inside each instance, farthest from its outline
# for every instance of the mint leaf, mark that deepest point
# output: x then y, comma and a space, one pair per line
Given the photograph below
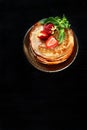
42, 21
61, 35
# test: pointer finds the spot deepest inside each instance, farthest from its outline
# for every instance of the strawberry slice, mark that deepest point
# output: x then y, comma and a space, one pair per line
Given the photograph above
48, 27
51, 42
46, 32
43, 35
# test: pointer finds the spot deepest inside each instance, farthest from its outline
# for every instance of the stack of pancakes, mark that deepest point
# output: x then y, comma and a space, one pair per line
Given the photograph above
50, 56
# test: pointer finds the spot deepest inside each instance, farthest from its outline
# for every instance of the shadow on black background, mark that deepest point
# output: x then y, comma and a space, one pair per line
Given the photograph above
30, 98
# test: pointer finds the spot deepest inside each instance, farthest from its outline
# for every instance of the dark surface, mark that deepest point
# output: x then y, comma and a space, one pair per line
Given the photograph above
30, 98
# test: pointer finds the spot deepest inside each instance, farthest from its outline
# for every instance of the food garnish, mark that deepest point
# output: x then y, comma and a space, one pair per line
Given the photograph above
43, 35
51, 42
52, 24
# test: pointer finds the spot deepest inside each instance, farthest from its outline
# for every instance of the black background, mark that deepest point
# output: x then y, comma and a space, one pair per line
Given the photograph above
30, 98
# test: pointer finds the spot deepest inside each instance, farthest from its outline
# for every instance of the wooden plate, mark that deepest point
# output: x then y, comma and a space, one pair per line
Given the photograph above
48, 68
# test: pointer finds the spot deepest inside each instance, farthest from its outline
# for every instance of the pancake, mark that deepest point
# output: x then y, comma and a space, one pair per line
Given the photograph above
50, 56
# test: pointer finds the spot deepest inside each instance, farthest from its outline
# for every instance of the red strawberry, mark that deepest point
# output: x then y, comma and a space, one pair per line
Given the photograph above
43, 35
51, 42
48, 27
